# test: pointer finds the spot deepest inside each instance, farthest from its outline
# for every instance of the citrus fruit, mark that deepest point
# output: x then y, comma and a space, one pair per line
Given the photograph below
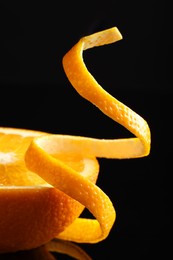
32, 212
48, 179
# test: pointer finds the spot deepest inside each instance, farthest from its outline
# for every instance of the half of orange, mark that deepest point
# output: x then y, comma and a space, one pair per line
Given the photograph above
32, 212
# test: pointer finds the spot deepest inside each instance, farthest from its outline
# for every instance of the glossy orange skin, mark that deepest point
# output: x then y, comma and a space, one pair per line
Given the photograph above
30, 217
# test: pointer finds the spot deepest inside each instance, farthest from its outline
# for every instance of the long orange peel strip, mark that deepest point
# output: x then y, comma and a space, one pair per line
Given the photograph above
39, 156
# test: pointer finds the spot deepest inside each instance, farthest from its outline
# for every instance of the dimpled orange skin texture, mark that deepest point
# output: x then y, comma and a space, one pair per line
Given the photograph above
29, 218
86, 85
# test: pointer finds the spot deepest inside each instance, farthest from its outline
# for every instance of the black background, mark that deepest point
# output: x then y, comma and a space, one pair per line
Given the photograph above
35, 94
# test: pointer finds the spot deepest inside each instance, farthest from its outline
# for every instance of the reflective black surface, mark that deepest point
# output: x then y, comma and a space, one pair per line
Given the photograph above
35, 94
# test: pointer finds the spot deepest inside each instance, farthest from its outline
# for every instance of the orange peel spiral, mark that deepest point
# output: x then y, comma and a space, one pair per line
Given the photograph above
40, 154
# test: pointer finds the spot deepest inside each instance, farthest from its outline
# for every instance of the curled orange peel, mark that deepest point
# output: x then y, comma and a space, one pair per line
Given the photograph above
39, 156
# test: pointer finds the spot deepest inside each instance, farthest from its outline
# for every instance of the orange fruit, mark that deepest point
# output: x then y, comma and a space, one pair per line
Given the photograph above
48, 179
32, 212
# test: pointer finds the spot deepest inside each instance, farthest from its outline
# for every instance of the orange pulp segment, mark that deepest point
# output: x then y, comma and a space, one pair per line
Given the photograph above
39, 156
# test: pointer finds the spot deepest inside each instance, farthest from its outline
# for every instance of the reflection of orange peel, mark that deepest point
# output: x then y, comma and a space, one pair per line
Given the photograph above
67, 248
48, 251
67, 179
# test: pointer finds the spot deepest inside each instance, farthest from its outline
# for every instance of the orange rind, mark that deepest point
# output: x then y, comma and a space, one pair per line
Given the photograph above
40, 159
